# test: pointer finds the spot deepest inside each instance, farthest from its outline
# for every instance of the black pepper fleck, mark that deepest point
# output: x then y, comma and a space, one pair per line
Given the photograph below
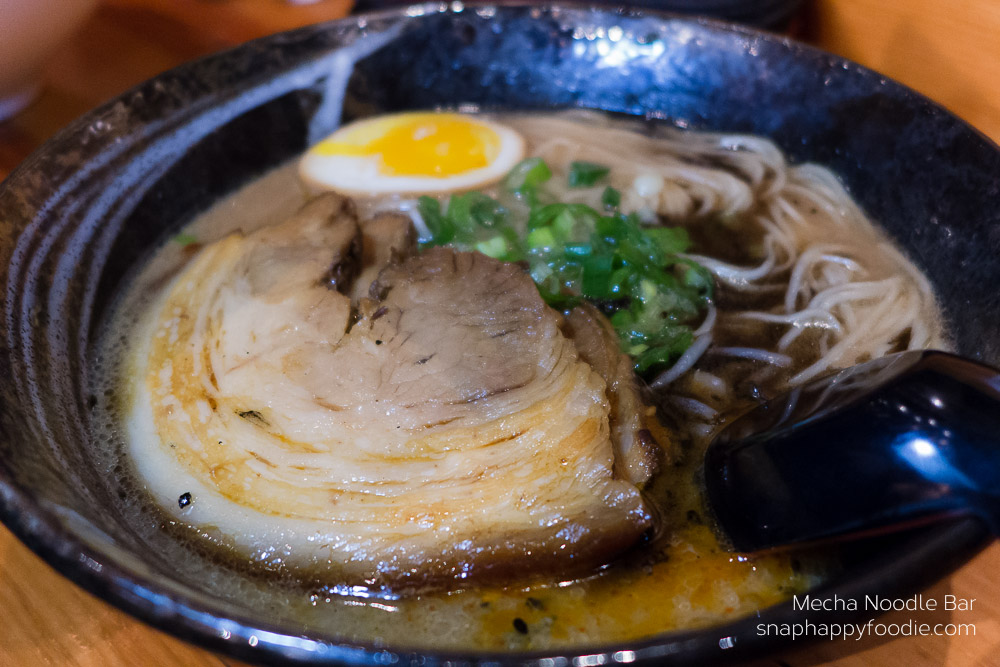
521, 626
184, 500
378, 342
254, 417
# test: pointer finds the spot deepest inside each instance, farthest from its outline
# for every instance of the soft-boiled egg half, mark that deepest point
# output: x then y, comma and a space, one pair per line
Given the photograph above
415, 152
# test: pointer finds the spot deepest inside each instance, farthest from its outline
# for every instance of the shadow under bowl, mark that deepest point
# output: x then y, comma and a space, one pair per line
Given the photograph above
82, 211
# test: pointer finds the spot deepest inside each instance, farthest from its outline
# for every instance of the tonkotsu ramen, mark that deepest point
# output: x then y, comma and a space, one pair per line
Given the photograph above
447, 380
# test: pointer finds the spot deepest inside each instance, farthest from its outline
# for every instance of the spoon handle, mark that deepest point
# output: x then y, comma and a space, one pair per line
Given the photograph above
877, 447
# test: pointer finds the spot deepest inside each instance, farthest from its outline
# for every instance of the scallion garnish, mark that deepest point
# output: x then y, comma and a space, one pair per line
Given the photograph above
585, 174
611, 198
634, 272
527, 175
185, 239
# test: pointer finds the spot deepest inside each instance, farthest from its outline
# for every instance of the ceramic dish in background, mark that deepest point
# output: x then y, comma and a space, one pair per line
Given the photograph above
81, 211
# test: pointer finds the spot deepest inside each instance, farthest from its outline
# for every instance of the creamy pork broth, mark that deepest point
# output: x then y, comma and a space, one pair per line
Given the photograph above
800, 274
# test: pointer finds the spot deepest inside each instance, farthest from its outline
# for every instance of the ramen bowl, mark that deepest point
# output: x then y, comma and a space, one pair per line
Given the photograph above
83, 210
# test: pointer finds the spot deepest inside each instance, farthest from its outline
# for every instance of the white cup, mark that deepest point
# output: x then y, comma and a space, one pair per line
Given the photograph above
30, 32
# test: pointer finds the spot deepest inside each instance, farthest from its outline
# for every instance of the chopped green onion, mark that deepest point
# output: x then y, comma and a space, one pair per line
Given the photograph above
578, 249
495, 247
585, 174
515, 250
541, 238
611, 198
441, 228
669, 240
635, 272
698, 277
597, 282
665, 353
185, 239
620, 280
469, 209
540, 272
527, 174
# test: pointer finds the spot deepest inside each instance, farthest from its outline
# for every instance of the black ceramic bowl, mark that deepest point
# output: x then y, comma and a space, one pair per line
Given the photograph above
77, 215
770, 14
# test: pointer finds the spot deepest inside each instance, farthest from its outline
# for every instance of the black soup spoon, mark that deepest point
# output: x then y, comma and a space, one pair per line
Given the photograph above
905, 439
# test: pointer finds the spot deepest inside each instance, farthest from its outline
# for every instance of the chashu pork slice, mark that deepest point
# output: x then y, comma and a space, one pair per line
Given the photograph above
636, 452
445, 432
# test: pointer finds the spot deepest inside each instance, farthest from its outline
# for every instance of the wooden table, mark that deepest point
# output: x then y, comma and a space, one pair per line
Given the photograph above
948, 50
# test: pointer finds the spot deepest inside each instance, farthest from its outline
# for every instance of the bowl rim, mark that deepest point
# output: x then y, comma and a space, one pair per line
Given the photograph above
948, 544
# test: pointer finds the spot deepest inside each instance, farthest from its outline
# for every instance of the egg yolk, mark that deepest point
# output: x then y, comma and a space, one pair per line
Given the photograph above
419, 144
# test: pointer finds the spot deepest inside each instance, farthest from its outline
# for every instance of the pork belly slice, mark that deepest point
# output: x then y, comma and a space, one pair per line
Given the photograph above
636, 452
383, 237
444, 431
